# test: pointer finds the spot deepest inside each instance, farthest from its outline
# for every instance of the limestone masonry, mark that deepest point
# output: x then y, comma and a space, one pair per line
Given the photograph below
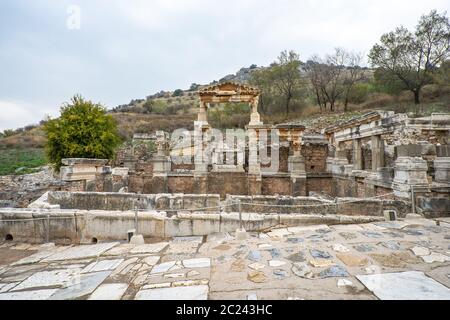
377, 166
358, 211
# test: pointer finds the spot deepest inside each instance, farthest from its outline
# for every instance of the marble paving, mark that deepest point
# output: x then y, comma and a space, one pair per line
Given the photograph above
405, 259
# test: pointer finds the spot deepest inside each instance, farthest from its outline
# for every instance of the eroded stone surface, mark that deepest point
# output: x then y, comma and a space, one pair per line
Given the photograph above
28, 295
109, 291
176, 293
85, 285
410, 285
284, 268
81, 252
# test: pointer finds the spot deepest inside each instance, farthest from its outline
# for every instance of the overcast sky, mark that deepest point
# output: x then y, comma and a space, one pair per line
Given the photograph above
127, 49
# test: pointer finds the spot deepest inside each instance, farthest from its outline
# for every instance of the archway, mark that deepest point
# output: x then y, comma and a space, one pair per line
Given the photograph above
229, 92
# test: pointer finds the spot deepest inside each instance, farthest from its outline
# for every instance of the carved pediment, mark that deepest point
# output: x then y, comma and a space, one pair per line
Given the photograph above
228, 89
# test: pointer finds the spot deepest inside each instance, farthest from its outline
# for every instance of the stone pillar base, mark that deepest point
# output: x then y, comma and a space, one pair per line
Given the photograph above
338, 165
200, 184
410, 172
296, 166
298, 186
329, 163
254, 185
255, 119
161, 166
201, 169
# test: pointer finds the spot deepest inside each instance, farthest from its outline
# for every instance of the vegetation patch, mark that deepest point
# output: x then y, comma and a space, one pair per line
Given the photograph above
21, 161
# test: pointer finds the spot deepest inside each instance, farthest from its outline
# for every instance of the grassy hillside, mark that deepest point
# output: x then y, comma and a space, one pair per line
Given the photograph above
21, 161
22, 152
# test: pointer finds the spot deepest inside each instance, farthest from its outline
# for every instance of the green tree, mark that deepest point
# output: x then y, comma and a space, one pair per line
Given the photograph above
177, 93
442, 76
8, 133
414, 57
194, 86
286, 76
148, 106
84, 130
281, 81
385, 81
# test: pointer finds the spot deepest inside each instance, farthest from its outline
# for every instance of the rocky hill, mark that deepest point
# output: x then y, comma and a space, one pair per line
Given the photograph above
179, 101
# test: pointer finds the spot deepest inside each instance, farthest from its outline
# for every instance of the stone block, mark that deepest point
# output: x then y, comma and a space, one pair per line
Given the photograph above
409, 150
442, 169
409, 171
434, 206
443, 151
175, 227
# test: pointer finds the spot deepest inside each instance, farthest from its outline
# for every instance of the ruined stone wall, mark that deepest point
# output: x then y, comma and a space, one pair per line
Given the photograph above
144, 167
129, 201
276, 185
347, 206
319, 184
181, 184
227, 183
82, 226
284, 158
155, 185
19, 191
280, 204
344, 187
74, 186
360, 188
135, 183
315, 157
367, 157
182, 166
433, 207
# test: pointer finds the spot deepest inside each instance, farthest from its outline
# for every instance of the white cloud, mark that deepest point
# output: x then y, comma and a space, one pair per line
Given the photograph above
14, 114
128, 49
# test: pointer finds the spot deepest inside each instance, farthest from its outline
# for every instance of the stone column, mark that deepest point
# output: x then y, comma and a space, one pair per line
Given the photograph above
340, 151
329, 162
202, 113
298, 175
296, 164
254, 165
377, 153
161, 166
200, 158
340, 160
357, 155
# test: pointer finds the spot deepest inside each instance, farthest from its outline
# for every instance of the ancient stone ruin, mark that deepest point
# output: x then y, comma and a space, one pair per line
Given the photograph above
378, 166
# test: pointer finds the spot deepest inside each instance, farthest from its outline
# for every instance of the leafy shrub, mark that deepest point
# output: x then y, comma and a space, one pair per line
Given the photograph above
359, 93
83, 130
177, 93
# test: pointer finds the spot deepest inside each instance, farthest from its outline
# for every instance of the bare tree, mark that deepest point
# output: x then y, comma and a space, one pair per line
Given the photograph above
354, 73
315, 70
334, 77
